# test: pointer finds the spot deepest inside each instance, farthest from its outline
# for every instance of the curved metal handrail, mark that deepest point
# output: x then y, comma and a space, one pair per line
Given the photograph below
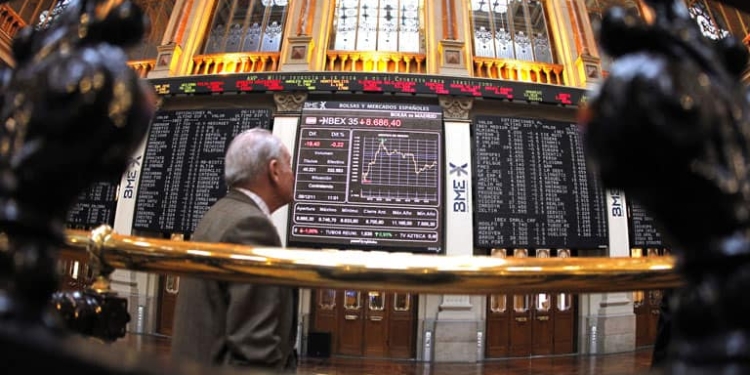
414, 273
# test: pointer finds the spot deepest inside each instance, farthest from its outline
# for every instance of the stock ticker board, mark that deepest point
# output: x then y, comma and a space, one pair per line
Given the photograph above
371, 83
643, 229
94, 206
183, 165
369, 176
532, 187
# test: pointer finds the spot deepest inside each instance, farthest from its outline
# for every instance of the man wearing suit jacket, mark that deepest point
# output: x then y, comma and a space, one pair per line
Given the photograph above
236, 324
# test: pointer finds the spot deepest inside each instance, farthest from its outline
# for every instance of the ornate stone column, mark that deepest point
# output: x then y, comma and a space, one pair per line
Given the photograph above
285, 124
452, 49
459, 327
589, 68
300, 45
169, 53
166, 60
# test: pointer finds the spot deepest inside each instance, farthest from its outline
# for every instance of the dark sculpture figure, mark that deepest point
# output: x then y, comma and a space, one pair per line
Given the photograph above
670, 127
71, 113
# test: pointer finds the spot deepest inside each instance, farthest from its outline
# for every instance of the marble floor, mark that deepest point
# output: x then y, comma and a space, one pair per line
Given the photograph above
637, 362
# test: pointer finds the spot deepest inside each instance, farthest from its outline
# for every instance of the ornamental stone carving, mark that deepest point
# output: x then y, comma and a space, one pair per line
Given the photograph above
289, 101
456, 107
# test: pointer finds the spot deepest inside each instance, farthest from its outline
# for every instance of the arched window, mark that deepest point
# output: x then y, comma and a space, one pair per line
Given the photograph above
377, 25
247, 26
511, 29
39, 13
738, 22
709, 18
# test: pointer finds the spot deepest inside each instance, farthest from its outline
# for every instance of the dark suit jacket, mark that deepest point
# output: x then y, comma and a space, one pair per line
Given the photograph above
660, 352
222, 323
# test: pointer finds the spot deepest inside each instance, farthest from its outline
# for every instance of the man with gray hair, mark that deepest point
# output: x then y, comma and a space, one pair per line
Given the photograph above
247, 325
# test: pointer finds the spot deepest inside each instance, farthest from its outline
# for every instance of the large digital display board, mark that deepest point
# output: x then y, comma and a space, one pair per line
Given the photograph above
394, 83
183, 166
369, 176
532, 187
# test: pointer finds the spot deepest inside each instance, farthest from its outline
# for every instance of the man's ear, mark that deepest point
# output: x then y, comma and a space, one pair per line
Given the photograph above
273, 170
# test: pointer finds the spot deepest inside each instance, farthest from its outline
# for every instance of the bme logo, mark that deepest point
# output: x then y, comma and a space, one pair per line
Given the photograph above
617, 207
459, 187
459, 169
134, 162
130, 177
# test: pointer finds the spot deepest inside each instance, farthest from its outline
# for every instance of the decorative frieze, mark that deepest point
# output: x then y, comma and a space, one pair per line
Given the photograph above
289, 101
456, 107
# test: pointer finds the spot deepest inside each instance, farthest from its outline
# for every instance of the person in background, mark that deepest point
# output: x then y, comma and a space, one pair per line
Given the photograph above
237, 324
660, 352
663, 331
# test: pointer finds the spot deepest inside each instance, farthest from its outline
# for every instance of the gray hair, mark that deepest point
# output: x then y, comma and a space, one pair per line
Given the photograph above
248, 155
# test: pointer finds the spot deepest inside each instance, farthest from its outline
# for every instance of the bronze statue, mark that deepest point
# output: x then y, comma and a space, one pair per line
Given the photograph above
670, 127
72, 113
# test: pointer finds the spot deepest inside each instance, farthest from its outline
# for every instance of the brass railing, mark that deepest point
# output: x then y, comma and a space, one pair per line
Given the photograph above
516, 70
376, 270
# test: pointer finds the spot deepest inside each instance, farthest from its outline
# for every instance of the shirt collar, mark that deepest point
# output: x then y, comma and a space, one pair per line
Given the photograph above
258, 200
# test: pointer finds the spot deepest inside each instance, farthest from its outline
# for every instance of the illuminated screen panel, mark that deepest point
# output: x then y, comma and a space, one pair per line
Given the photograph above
532, 187
94, 206
643, 230
183, 166
369, 176
370, 82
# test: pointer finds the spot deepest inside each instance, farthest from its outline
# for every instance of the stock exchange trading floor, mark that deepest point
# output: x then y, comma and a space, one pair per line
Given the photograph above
637, 362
